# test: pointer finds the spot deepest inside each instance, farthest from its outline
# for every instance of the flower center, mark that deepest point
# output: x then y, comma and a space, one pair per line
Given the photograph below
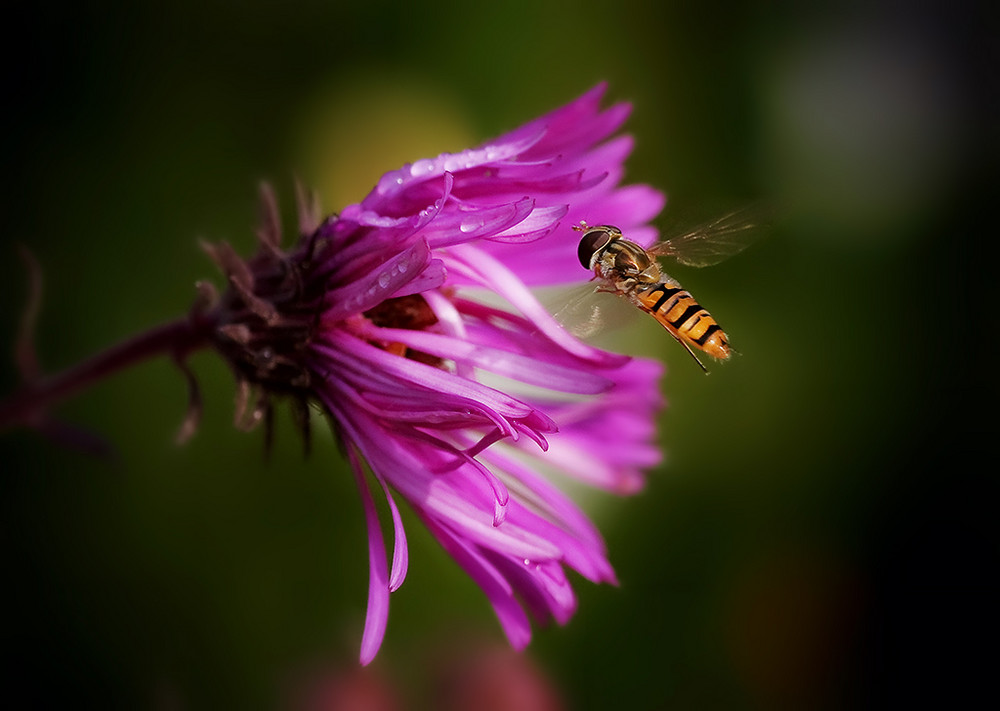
406, 312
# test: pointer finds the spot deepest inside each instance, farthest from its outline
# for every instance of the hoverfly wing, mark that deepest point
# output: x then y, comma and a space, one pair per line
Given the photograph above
714, 241
587, 313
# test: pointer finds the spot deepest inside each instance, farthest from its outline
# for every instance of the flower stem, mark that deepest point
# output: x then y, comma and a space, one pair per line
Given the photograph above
27, 406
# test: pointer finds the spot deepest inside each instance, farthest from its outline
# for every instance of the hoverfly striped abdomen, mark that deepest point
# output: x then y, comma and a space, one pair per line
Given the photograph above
686, 320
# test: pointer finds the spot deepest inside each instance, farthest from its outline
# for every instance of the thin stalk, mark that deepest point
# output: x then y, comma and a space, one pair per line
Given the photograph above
28, 405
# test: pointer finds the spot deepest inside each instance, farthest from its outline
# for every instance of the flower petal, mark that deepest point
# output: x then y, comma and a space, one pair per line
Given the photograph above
378, 285
400, 551
527, 369
377, 615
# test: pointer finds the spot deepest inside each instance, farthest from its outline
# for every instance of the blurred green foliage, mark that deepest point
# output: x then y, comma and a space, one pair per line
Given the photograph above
813, 537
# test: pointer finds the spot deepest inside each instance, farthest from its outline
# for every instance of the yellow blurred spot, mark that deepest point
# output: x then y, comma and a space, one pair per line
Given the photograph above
352, 133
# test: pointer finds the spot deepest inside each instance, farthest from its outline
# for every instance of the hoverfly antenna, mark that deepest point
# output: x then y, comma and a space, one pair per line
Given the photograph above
581, 227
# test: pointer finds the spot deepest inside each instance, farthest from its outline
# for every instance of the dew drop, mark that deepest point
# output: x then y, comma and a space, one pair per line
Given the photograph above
422, 167
383, 279
471, 224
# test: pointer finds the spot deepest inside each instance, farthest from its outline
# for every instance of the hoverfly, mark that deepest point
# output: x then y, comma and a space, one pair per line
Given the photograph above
631, 271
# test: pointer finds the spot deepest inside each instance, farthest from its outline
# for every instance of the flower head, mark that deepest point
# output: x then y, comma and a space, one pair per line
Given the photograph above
408, 319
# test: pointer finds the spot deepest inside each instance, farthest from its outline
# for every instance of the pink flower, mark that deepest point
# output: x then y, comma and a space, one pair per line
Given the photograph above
409, 319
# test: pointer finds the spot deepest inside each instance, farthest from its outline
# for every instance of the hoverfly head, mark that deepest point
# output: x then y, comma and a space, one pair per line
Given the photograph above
593, 241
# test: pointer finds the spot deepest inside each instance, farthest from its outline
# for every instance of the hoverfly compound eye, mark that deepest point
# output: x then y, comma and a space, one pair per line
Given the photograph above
593, 240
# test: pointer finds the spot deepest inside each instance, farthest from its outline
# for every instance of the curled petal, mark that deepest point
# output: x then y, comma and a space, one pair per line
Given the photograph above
378, 574
390, 278
540, 223
400, 552
467, 223
432, 277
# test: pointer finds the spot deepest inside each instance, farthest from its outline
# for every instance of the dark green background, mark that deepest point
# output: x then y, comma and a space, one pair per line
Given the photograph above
820, 534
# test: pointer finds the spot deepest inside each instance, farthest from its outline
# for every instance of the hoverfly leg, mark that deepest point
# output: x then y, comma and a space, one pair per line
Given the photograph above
691, 353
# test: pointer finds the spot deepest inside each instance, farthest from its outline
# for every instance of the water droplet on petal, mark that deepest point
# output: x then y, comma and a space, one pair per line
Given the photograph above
383, 279
422, 167
471, 224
